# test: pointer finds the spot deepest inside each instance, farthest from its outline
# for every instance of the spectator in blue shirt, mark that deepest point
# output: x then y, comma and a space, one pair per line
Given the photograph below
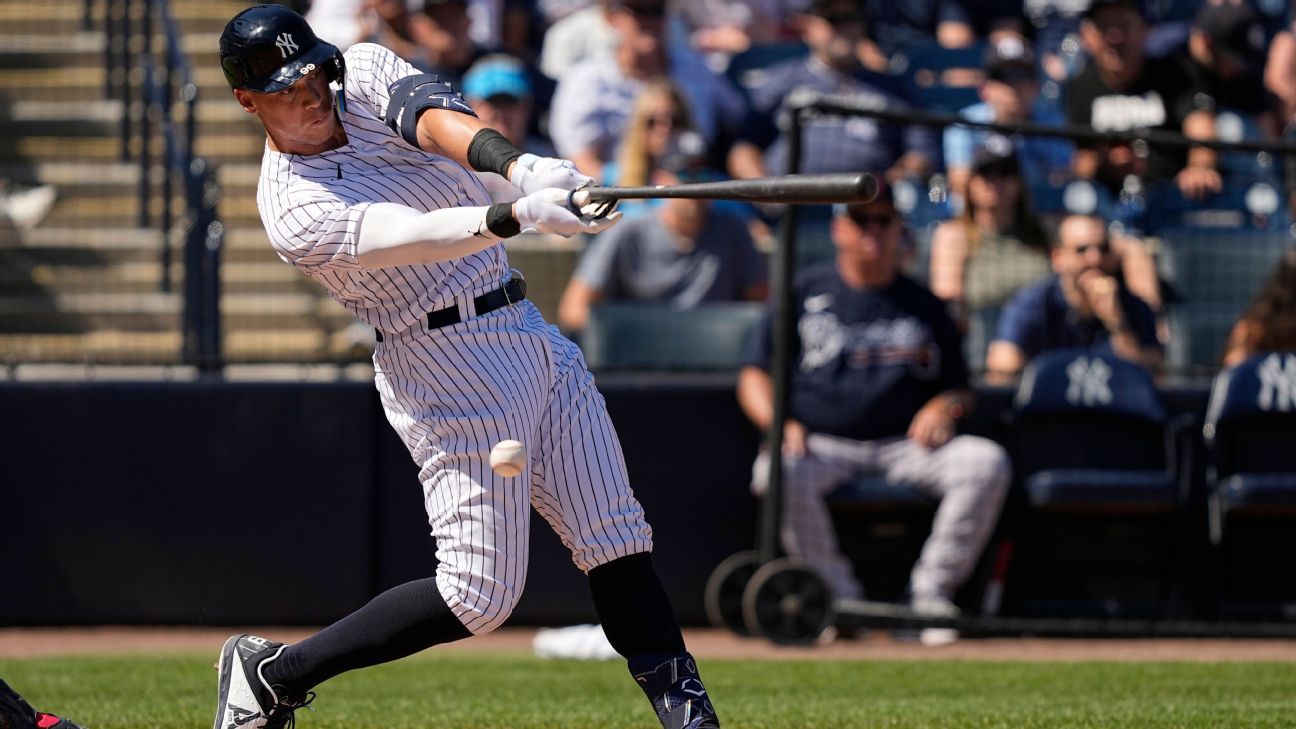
1082, 306
831, 29
878, 385
1008, 94
594, 97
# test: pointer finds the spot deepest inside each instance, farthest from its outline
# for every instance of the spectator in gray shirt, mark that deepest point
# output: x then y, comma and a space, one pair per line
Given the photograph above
685, 253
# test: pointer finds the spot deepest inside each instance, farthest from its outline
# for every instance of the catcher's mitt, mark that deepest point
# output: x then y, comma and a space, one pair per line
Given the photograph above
16, 713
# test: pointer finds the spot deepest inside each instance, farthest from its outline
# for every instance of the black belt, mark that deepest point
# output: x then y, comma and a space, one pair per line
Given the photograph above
507, 295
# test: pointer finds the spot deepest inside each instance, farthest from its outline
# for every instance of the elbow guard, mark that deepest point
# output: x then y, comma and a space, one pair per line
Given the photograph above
411, 95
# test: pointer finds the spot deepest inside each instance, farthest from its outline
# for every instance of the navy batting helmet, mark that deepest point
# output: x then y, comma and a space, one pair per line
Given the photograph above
267, 48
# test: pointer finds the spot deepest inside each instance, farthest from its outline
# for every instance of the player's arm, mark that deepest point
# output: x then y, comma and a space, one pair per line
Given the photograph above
396, 235
432, 116
756, 398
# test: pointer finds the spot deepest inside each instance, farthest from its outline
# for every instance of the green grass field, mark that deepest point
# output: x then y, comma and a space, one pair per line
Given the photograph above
432, 691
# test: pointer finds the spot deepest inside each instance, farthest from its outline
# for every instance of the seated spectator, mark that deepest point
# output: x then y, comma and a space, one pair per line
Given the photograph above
1226, 56
684, 252
594, 97
1269, 323
337, 21
897, 24
1008, 94
831, 29
878, 387
721, 28
584, 33
996, 246
1081, 306
658, 115
1123, 89
1056, 24
449, 47
391, 24
499, 89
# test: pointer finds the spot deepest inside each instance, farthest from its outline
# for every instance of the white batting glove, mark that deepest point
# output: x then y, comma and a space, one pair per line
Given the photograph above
532, 174
546, 211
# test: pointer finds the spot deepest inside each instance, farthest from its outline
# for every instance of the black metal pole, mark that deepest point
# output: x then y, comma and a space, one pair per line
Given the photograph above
148, 105
767, 546
125, 42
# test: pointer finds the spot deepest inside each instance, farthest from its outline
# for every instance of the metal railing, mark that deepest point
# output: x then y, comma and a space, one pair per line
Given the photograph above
147, 115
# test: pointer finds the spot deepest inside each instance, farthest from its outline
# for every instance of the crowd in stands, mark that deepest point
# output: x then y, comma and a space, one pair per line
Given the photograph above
1031, 240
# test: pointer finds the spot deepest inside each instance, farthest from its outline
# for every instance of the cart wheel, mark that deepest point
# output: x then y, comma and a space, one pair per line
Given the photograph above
788, 603
724, 591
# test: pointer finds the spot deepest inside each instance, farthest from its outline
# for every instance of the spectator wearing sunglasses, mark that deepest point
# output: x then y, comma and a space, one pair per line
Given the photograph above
1083, 305
593, 100
996, 246
682, 252
878, 386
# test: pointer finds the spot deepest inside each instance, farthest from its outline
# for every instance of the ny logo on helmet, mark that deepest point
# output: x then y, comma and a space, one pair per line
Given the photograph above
285, 44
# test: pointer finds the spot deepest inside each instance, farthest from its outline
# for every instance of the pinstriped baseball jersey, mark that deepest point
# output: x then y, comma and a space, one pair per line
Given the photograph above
455, 391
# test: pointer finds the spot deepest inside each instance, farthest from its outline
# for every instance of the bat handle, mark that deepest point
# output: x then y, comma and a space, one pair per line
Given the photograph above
578, 199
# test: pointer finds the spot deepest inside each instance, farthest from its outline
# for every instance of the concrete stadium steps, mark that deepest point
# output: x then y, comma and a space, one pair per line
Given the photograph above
66, 16
142, 277
157, 311
109, 346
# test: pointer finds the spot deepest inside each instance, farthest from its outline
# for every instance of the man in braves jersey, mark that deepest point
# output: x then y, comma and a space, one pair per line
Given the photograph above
381, 184
878, 385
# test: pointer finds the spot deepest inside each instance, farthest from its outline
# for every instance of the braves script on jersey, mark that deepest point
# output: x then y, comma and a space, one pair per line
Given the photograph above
455, 391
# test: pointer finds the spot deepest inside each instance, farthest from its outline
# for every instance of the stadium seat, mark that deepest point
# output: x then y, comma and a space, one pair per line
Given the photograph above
1243, 204
747, 69
924, 74
1213, 275
643, 336
1232, 125
1251, 484
1101, 476
881, 527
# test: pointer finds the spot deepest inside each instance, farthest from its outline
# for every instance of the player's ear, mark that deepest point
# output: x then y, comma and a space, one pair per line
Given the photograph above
246, 99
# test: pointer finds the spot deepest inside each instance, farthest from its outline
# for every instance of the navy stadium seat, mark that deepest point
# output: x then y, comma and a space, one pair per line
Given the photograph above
924, 73
747, 69
1213, 275
1232, 125
1101, 479
1249, 432
1254, 205
644, 336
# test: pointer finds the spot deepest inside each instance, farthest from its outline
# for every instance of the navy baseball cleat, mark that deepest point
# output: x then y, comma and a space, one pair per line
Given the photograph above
244, 698
675, 690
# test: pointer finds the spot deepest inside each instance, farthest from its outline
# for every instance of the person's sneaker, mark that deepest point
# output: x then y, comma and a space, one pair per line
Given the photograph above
673, 686
244, 698
934, 606
16, 713
27, 207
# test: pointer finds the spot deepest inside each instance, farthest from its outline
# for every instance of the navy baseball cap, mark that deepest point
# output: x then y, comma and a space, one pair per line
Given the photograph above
996, 153
497, 75
1010, 59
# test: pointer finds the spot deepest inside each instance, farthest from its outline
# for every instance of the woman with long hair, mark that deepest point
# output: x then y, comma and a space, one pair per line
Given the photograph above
1269, 323
659, 112
996, 245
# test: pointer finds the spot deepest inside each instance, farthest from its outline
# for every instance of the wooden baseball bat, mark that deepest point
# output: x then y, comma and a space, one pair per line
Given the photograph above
820, 189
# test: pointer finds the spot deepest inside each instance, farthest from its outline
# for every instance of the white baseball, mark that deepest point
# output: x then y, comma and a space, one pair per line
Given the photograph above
508, 458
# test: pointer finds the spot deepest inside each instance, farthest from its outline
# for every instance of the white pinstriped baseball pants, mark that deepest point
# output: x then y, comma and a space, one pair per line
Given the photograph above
452, 394
968, 474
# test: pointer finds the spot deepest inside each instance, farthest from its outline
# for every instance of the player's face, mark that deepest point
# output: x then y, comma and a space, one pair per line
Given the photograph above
868, 235
298, 119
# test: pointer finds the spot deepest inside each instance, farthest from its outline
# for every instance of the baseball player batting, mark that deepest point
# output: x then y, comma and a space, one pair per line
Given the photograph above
380, 183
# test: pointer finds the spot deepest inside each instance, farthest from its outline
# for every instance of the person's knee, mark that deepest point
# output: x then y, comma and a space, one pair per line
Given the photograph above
482, 601
984, 464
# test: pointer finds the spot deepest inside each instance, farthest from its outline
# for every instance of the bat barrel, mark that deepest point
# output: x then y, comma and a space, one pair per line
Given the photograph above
820, 189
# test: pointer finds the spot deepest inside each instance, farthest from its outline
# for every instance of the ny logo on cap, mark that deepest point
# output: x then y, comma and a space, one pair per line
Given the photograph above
286, 44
